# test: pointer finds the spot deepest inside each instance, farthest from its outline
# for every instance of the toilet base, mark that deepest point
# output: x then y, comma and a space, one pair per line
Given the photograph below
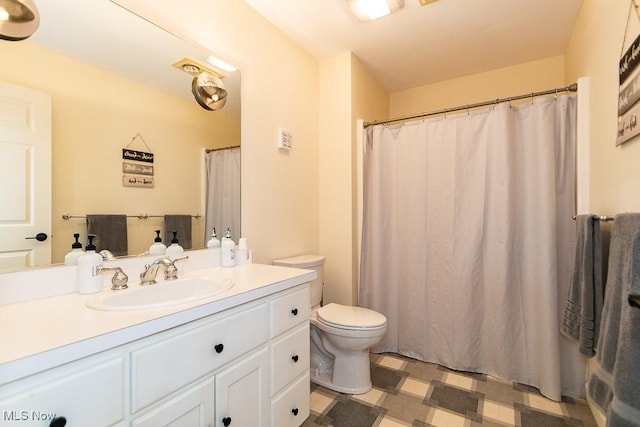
324, 380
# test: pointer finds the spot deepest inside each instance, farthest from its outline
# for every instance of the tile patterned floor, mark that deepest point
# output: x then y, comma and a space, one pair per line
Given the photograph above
408, 392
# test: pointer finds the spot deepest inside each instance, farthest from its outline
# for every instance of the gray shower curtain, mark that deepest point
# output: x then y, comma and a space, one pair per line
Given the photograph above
467, 236
222, 209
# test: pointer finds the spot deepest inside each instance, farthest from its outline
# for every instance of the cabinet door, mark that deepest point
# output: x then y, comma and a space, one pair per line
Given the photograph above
242, 392
191, 407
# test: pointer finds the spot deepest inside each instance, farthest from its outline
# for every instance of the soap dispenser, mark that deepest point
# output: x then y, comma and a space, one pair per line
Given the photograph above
89, 279
71, 258
214, 245
158, 248
228, 250
175, 251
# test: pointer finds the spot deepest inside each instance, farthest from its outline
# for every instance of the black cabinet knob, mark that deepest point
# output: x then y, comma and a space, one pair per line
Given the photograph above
219, 348
226, 421
294, 358
58, 422
294, 311
294, 411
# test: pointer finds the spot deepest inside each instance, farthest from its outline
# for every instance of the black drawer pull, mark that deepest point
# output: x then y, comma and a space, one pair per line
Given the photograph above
294, 411
226, 421
294, 358
219, 348
294, 311
58, 422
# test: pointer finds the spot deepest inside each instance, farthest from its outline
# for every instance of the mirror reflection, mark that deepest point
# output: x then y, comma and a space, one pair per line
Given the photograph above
113, 86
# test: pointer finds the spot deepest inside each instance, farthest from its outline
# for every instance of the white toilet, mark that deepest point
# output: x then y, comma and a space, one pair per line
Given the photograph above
341, 335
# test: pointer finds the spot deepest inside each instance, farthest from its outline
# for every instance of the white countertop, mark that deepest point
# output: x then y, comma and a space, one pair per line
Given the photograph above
43, 333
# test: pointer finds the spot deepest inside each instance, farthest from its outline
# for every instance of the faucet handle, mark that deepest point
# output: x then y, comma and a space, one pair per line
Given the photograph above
119, 279
171, 272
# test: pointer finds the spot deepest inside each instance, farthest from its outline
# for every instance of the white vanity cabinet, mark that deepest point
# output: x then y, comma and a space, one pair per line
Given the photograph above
244, 366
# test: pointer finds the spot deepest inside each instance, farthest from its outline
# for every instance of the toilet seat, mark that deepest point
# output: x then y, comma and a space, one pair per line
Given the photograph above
350, 318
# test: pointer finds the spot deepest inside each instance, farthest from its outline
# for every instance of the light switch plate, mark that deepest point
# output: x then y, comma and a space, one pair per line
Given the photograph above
285, 139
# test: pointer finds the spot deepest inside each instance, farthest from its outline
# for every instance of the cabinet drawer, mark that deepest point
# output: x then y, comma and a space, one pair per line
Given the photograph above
289, 357
170, 364
289, 310
91, 396
291, 407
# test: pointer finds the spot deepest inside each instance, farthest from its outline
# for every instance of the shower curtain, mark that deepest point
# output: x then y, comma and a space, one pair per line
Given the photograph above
467, 234
222, 209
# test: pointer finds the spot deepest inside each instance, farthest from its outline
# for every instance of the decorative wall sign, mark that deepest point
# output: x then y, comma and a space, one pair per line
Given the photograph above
138, 156
137, 169
136, 174
629, 86
137, 181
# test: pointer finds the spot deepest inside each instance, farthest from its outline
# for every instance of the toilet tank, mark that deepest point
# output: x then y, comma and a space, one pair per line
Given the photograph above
309, 262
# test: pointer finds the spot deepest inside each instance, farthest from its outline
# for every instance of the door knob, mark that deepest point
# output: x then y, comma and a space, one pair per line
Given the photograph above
40, 237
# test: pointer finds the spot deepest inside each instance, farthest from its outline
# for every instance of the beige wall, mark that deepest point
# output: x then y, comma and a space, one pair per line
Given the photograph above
343, 74
335, 158
594, 52
500, 83
280, 85
95, 115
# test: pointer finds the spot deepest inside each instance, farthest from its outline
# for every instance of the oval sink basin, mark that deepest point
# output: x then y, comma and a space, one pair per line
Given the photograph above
160, 295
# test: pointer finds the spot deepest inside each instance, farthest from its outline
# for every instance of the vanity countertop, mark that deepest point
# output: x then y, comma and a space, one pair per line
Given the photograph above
39, 334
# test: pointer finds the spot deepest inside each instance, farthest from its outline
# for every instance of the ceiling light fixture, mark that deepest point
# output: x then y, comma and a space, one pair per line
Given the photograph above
19, 19
368, 10
209, 91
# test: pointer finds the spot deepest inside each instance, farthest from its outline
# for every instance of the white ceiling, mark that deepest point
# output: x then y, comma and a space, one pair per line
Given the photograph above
425, 44
105, 35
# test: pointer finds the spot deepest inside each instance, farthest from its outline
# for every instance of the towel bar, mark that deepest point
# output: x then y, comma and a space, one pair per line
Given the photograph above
139, 216
602, 218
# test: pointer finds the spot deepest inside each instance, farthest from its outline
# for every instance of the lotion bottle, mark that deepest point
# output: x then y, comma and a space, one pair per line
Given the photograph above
176, 251
89, 279
215, 246
158, 248
228, 251
71, 258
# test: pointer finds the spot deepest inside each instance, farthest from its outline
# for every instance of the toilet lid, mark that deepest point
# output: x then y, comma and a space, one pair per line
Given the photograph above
343, 316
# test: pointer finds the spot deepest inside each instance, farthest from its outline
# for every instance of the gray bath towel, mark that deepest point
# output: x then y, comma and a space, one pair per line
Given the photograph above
584, 304
110, 231
181, 224
614, 386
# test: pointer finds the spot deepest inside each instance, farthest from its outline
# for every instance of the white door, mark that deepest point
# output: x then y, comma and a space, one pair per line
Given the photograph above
25, 177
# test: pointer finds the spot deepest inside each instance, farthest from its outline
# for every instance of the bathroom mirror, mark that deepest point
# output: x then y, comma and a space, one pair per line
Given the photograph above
110, 77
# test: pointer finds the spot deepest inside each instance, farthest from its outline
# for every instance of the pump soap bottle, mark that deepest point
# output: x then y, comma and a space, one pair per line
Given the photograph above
228, 248
176, 251
89, 279
158, 248
214, 245
71, 258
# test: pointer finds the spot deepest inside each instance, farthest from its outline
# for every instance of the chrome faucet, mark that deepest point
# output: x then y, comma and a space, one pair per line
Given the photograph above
148, 276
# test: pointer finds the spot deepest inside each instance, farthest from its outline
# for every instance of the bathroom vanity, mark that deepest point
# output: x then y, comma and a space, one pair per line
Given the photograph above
240, 358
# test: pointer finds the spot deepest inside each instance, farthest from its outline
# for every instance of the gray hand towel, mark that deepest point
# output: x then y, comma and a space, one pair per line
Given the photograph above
110, 231
181, 224
584, 304
614, 386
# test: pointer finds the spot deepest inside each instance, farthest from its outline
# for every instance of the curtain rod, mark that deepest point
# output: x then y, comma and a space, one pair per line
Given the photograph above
210, 150
571, 88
